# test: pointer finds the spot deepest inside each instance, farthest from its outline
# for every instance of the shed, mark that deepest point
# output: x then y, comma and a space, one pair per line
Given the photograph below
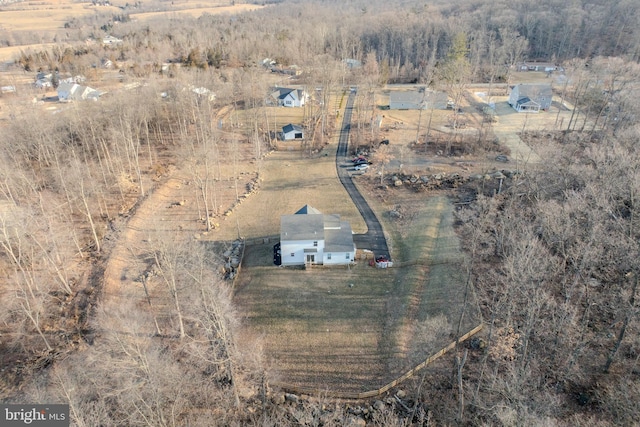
292, 132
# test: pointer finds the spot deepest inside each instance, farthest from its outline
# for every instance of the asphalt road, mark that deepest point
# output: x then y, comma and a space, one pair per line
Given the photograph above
374, 238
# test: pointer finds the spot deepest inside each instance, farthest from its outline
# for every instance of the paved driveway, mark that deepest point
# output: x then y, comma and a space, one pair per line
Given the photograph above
374, 238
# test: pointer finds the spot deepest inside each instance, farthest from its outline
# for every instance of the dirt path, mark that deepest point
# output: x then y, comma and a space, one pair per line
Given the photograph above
123, 266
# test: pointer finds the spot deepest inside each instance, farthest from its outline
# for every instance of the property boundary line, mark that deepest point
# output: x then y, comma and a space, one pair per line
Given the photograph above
374, 393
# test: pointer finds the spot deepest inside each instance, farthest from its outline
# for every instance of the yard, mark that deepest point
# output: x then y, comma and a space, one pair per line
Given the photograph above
355, 329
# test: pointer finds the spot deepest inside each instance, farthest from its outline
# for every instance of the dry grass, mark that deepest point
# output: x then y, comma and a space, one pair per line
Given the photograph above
289, 181
46, 15
324, 327
424, 242
353, 329
49, 16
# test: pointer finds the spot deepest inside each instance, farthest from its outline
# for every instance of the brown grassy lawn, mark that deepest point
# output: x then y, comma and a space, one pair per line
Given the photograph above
431, 267
321, 332
356, 329
289, 181
275, 117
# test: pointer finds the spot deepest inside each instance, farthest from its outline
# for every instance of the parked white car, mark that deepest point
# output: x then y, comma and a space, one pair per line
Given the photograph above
361, 167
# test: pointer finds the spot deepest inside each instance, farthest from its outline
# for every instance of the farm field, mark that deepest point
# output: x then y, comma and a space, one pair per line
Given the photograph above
44, 21
46, 15
195, 11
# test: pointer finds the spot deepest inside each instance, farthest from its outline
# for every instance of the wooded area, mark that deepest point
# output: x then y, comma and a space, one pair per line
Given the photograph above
553, 255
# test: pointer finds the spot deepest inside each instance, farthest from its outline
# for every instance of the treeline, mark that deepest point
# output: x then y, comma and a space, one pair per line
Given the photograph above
554, 263
407, 39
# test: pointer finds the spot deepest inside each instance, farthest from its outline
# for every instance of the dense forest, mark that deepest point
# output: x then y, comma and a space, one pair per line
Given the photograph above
553, 259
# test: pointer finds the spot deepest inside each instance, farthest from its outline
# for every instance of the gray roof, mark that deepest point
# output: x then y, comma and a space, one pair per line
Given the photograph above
290, 127
426, 97
302, 227
526, 100
306, 209
406, 96
339, 240
533, 90
282, 92
308, 223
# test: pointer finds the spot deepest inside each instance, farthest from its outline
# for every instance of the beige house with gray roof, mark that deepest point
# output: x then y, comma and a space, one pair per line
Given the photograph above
310, 237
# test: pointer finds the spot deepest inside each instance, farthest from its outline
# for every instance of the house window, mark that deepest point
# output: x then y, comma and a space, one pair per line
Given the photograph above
315, 244
328, 256
346, 255
293, 254
287, 102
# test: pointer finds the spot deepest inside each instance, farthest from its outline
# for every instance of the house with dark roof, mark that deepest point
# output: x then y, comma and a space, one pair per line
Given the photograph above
531, 98
292, 132
310, 237
287, 97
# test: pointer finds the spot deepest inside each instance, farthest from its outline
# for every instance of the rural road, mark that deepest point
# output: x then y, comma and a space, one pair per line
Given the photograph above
374, 238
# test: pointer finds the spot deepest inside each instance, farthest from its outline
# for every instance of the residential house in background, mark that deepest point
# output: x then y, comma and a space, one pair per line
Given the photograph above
43, 80
287, 97
71, 91
352, 63
292, 132
310, 237
110, 40
548, 67
530, 97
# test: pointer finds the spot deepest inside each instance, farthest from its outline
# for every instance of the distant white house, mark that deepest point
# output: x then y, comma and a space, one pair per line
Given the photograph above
110, 40
69, 91
287, 97
352, 63
204, 93
310, 237
531, 98
548, 67
292, 132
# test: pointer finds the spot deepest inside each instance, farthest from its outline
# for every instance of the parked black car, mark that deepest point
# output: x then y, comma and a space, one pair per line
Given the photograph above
277, 255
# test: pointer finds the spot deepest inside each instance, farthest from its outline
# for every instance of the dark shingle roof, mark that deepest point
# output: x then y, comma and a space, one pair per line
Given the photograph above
290, 127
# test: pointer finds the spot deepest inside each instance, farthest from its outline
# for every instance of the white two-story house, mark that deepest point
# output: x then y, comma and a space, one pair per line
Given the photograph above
310, 237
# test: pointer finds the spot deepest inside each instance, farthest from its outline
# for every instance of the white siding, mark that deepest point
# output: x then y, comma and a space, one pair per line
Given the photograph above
297, 247
336, 258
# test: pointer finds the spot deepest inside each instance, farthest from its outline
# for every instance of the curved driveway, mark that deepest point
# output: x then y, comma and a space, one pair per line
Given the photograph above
374, 238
